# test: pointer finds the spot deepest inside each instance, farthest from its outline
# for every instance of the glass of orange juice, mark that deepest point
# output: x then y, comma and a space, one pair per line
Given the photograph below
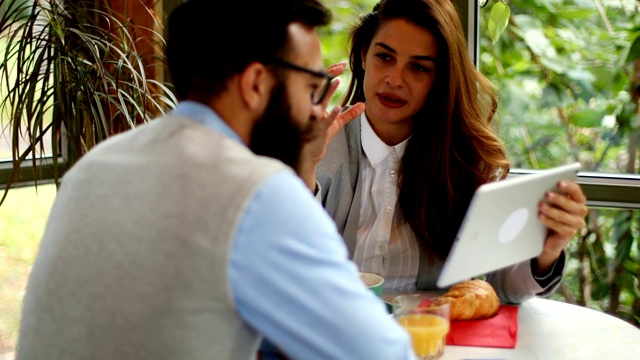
427, 324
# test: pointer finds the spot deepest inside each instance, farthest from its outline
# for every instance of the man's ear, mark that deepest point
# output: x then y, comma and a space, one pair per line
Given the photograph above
255, 86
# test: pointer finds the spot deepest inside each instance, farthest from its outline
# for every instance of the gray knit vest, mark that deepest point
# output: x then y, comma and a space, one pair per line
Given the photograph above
134, 260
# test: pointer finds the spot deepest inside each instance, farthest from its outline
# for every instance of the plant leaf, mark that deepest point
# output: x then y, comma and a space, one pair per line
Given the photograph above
498, 20
634, 50
588, 118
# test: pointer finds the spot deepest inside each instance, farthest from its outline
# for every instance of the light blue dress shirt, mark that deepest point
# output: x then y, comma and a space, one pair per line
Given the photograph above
290, 276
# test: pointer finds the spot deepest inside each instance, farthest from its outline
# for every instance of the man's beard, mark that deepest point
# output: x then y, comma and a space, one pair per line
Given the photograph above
276, 134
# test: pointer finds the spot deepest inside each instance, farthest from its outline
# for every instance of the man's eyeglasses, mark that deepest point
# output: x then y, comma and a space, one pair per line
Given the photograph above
318, 95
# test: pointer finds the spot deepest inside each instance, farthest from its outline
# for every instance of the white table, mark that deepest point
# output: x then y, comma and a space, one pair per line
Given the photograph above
553, 330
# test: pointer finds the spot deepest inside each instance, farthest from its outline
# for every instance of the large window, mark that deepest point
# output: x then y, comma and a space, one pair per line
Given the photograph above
567, 90
568, 72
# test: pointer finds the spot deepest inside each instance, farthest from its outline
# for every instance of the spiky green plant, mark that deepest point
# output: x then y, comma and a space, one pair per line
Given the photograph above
73, 73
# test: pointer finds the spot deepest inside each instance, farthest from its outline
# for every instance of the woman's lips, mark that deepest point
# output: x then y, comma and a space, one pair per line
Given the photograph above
391, 101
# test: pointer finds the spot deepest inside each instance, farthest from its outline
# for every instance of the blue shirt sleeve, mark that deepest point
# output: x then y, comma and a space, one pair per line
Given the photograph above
292, 281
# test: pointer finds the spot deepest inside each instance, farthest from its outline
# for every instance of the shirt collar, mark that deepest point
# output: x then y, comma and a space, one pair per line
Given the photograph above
375, 149
206, 116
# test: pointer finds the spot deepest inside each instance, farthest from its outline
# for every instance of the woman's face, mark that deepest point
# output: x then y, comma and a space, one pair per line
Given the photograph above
400, 67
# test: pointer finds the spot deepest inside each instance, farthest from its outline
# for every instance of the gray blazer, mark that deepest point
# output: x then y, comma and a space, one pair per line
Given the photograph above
340, 189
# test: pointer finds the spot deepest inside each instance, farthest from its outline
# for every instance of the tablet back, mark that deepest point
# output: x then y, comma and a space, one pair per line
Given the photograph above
501, 226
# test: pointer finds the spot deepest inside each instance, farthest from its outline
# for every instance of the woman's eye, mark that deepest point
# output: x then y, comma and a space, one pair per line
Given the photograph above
421, 68
383, 56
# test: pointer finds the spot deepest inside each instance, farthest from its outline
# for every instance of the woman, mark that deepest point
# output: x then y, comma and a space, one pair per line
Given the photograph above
398, 179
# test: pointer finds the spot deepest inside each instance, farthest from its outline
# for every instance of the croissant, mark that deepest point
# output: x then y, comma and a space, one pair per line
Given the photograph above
472, 299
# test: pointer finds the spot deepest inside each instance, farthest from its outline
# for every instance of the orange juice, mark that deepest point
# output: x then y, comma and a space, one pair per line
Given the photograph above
428, 333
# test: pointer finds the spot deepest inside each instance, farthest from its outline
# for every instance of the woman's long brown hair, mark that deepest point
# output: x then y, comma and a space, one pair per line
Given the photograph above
453, 148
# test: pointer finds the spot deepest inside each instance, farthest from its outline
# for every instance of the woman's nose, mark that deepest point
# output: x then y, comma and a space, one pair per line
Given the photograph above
394, 78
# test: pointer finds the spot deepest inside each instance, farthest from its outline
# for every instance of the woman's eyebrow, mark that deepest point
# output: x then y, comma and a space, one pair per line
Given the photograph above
415, 57
385, 46
424, 58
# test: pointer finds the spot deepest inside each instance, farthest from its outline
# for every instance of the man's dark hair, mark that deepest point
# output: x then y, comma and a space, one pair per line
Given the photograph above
209, 40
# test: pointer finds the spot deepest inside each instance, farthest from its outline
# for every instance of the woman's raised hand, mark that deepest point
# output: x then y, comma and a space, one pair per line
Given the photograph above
328, 126
336, 119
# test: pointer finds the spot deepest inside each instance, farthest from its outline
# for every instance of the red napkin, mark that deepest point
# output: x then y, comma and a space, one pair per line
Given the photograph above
499, 331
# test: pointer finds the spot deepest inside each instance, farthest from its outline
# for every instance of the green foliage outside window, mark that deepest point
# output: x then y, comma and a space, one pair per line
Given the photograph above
569, 76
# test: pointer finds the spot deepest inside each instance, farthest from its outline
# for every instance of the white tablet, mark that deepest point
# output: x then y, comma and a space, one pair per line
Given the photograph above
501, 226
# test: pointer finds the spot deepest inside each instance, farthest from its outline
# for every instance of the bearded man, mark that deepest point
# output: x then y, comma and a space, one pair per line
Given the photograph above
176, 241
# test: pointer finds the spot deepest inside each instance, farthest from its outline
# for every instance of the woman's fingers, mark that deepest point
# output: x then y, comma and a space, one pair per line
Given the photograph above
332, 90
564, 214
336, 69
333, 70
